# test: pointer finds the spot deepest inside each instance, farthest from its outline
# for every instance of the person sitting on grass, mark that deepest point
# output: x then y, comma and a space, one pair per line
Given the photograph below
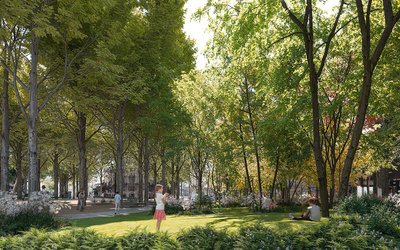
313, 211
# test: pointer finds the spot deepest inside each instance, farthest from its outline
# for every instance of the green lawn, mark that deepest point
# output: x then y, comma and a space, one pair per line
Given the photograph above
230, 218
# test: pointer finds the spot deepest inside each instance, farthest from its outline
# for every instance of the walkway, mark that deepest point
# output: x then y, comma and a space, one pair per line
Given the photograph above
95, 211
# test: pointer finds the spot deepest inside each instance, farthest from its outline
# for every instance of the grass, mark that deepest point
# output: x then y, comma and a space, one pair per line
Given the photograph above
229, 218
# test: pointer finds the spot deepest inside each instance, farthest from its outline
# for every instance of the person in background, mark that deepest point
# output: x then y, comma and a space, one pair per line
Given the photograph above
117, 199
81, 198
313, 211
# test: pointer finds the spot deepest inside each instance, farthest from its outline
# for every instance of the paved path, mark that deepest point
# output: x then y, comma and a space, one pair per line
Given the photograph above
97, 210
111, 212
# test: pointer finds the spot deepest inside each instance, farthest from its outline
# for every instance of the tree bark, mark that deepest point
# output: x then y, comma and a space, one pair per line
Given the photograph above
32, 125
146, 169
56, 167
245, 158
369, 63
81, 141
5, 136
272, 196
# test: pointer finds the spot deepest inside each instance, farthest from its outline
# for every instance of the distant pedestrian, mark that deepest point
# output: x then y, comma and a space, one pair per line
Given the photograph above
159, 215
117, 199
81, 198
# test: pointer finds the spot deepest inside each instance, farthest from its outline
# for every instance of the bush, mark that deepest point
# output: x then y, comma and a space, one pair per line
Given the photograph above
140, 239
204, 204
361, 205
39, 212
26, 219
205, 238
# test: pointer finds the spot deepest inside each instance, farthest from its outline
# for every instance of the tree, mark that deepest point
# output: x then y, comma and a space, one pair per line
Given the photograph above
370, 61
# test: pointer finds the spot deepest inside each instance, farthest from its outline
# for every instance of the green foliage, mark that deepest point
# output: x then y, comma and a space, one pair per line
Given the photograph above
26, 219
204, 204
205, 238
140, 239
259, 237
362, 205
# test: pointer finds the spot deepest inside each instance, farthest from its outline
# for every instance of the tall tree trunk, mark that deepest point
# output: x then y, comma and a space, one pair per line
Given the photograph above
369, 63
253, 130
146, 170
73, 181
163, 166
245, 158
140, 170
81, 141
5, 136
385, 182
120, 150
375, 179
177, 185
32, 125
56, 167
18, 161
173, 178
272, 196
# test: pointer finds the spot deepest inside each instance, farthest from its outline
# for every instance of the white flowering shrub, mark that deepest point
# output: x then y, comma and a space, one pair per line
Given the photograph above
39, 212
395, 198
229, 201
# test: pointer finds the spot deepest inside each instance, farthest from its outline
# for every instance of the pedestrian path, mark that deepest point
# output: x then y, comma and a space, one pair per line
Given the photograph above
111, 212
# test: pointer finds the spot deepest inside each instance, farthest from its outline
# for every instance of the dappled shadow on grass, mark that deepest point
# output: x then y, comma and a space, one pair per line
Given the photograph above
112, 219
227, 218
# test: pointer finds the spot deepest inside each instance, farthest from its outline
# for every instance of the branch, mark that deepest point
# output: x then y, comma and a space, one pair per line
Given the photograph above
328, 42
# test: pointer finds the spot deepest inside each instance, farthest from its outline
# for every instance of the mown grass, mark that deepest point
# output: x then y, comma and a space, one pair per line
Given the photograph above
226, 218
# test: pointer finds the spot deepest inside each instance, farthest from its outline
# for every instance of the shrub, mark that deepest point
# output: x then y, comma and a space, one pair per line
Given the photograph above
361, 205
140, 239
205, 238
229, 201
39, 212
204, 204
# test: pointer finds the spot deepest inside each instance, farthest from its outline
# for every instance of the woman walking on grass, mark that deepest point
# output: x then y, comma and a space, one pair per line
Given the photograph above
159, 215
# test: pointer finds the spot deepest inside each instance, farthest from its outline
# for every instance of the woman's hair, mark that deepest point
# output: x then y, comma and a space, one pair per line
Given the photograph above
313, 200
158, 187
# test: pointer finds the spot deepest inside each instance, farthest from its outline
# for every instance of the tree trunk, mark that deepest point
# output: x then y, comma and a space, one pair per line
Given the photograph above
173, 178
253, 130
245, 158
146, 170
18, 161
375, 188
369, 63
120, 151
34, 181
73, 182
385, 182
5, 136
177, 185
56, 166
272, 196
81, 141
140, 170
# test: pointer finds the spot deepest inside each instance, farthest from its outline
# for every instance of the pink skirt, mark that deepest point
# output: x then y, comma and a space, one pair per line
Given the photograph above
159, 215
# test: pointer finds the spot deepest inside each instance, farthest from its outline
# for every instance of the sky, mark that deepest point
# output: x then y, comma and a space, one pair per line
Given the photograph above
196, 30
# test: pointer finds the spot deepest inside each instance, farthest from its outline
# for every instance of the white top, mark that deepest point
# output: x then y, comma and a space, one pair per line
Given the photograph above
117, 198
315, 213
160, 203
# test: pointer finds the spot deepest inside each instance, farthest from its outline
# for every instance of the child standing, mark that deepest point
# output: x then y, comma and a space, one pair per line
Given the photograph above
313, 211
159, 215
117, 199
